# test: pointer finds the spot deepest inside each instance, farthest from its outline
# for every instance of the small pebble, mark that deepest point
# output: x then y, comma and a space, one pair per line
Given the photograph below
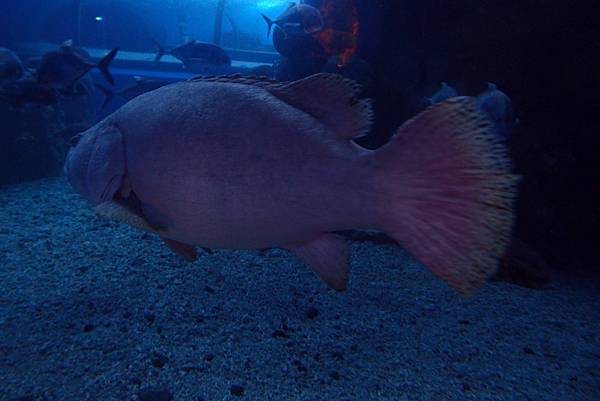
279, 334
150, 318
337, 356
88, 328
312, 313
334, 375
528, 351
159, 361
209, 357
155, 395
23, 398
237, 390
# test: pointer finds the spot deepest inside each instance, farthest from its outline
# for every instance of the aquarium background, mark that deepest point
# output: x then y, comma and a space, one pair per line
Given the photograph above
543, 54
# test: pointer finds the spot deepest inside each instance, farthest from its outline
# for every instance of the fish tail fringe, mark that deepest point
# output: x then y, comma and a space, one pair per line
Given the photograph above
450, 183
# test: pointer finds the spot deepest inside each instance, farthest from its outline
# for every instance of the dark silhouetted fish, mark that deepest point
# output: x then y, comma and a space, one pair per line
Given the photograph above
142, 85
250, 163
68, 47
63, 69
28, 91
498, 107
194, 52
11, 68
298, 19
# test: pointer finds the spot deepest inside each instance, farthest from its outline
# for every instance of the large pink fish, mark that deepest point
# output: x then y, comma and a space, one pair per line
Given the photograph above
248, 163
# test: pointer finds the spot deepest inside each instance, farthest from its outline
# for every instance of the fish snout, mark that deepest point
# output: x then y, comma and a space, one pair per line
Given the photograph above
95, 163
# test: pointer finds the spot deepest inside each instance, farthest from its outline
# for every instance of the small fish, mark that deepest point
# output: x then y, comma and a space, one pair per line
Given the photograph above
445, 92
141, 85
249, 163
498, 107
63, 69
11, 68
298, 19
28, 91
194, 52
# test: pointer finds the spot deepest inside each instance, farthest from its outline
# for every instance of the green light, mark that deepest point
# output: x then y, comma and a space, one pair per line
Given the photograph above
268, 4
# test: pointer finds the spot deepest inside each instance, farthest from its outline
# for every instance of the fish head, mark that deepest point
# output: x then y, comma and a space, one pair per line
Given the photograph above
95, 164
310, 17
58, 69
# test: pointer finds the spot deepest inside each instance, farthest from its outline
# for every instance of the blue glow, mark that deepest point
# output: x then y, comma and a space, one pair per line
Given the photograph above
269, 4
99, 19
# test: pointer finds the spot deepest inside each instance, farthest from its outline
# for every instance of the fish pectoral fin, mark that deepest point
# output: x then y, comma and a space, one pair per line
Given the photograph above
186, 251
327, 257
117, 212
333, 100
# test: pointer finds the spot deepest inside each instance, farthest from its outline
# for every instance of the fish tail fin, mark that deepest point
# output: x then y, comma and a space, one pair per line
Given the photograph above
450, 185
108, 95
105, 62
160, 51
269, 22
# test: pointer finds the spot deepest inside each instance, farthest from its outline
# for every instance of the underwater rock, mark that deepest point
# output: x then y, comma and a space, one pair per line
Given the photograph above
11, 68
237, 390
35, 139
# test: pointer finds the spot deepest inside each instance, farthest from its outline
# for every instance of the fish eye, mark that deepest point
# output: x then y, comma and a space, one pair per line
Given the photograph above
75, 139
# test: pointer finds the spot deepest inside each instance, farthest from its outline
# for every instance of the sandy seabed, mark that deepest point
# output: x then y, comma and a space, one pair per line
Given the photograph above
94, 310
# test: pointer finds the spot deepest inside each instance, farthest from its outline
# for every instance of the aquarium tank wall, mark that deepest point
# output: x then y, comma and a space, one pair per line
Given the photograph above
310, 200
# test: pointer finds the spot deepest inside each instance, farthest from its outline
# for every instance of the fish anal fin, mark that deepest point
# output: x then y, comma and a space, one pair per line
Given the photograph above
331, 99
327, 257
186, 251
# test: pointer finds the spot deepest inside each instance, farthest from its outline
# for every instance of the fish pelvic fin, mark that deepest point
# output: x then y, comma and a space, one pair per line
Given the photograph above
117, 212
446, 192
327, 256
186, 251
105, 62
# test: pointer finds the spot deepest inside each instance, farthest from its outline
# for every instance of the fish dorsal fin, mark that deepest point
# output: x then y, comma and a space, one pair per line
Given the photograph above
491, 86
262, 82
330, 98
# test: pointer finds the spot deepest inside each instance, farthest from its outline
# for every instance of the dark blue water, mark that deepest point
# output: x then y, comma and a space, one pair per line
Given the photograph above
93, 309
